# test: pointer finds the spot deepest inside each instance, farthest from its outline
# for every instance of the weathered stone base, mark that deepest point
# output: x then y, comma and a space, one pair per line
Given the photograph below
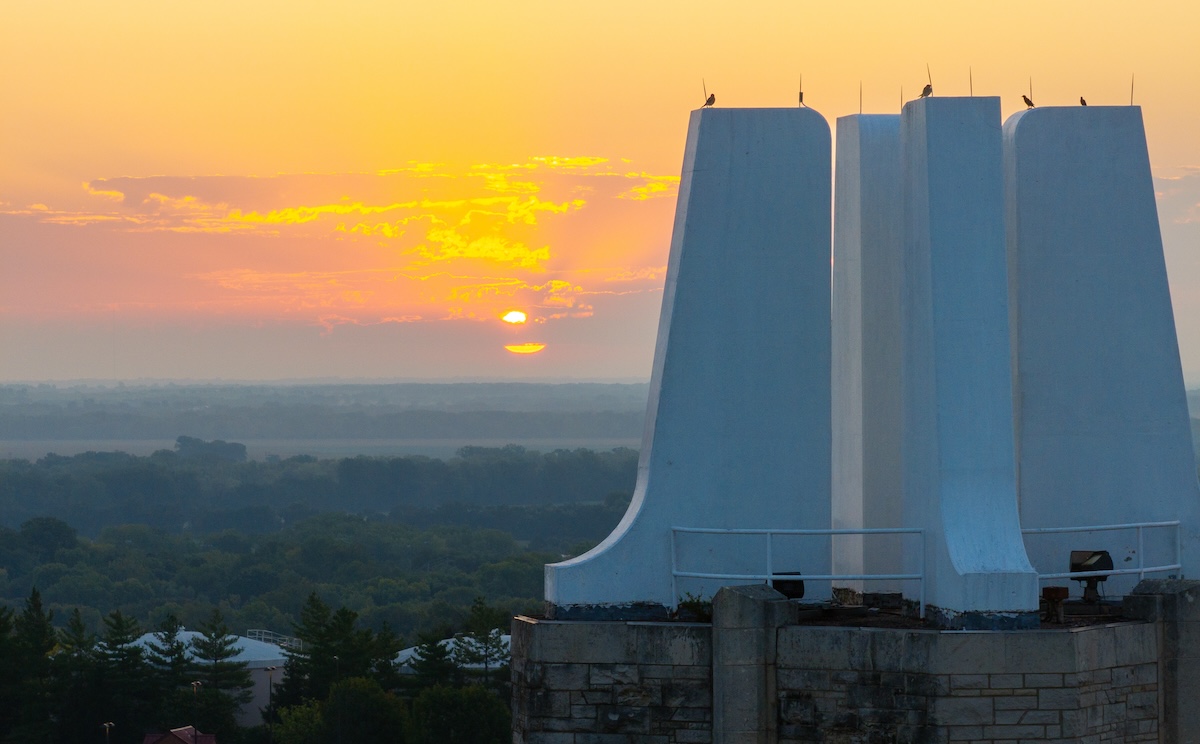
611, 682
755, 676
870, 684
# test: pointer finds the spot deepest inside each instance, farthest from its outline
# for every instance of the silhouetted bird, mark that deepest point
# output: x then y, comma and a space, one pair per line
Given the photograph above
928, 90
802, 98
1082, 101
1028, 102
712, 98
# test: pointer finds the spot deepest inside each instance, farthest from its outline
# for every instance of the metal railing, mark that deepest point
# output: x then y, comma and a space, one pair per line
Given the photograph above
270, 636
1141, 569
770, 574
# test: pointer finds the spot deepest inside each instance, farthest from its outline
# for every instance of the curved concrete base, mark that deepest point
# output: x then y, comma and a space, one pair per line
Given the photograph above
737, 426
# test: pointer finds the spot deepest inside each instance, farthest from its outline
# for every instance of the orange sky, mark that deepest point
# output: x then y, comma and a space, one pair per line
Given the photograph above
271, 190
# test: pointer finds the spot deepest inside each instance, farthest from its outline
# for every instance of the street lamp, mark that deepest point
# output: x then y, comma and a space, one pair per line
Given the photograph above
270, 703
107, 726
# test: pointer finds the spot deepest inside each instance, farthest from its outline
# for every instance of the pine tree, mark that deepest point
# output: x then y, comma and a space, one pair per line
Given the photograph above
167, 654
226, 683
127, 686
77, 682
34, 640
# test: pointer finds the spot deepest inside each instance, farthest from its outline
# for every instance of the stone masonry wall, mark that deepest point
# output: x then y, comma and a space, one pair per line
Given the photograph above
580, 682
611, 682
1095, 684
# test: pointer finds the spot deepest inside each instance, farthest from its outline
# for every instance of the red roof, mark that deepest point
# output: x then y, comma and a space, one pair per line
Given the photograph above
186, 735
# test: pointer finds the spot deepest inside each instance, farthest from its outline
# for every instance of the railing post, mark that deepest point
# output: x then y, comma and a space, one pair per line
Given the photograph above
770, 565
1141, 555
674, 570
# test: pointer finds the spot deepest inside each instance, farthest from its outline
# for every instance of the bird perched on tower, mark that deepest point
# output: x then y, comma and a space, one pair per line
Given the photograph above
1027, 100
1082, 102
712, 98
928, 91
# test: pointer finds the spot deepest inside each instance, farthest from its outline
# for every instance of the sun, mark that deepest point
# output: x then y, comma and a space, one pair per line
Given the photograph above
515, 317
525, 348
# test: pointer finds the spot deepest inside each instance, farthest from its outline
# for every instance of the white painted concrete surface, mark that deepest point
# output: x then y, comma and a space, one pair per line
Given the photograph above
1102, 420
959, 466
738, 422
867, 272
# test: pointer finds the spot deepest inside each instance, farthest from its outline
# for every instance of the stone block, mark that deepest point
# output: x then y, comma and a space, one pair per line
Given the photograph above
1041, 717
1042, 680
1057, 699
814, 647
665, 643
550, 704
968, 653
623, 719
549, 737
603, 675
1004, 681
962, 711
739, 646
565, 676
686, 694
968, 682
965, 733
1137, 643
637, 695
1039, 651
1015, 702
1014, 733
693, 737
583, 642
802, 679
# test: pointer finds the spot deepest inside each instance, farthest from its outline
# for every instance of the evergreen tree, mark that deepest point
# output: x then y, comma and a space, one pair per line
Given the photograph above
483, 642
167, 654
128, 686
433, 664
34, 640
77, 683
226, 683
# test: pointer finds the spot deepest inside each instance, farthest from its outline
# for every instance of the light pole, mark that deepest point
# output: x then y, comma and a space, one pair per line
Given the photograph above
270, 703
107, 726
196, 705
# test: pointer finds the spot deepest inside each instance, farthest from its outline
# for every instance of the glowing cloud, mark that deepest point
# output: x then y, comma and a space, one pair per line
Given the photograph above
515, 317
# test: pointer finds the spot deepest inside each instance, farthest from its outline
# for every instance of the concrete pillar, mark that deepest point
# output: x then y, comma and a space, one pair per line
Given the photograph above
737, 426
867, 272
1103, 435
1175, 606
745, 624
959, 467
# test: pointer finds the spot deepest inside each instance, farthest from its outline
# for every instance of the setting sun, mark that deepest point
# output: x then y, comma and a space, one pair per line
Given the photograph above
525, 348
515, 317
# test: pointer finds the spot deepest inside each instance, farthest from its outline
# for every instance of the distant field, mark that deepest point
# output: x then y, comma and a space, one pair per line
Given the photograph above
259, 449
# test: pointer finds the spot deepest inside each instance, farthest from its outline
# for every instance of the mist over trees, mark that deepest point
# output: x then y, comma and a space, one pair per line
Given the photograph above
495, 411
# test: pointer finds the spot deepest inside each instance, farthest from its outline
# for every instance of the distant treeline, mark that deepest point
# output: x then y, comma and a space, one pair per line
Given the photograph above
208, 486
504, 411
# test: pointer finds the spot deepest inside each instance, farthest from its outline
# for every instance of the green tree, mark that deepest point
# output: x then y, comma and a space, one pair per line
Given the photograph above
467, 715
78, 687
301, 724
226, 683
432, 663
167, 654
128, 685
483, 641
358, 710
34, 641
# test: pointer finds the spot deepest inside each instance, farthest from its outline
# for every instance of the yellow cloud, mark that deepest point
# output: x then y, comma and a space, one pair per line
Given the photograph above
103, 194
653, 187
451, 245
